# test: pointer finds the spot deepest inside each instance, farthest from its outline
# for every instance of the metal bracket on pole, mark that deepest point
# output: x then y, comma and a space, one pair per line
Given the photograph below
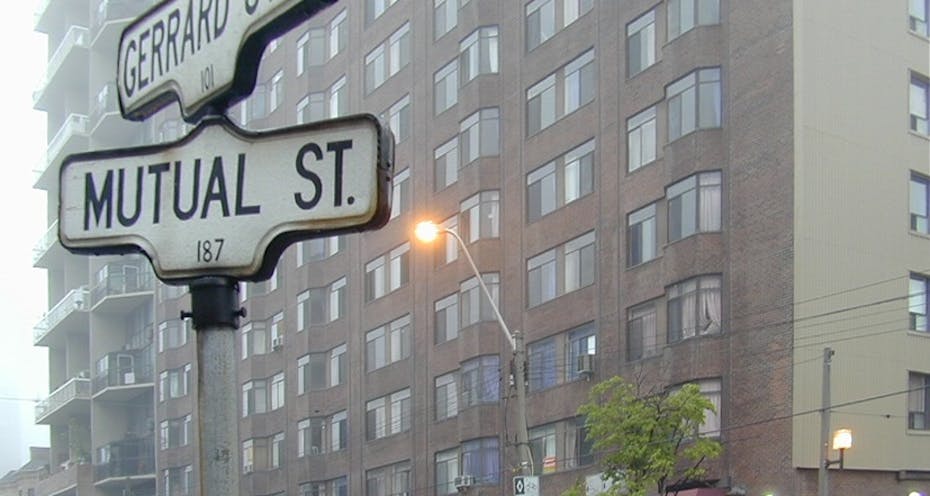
215, 312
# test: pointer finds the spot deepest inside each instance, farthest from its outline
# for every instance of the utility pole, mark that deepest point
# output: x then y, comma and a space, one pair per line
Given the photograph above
523, 442
823, 475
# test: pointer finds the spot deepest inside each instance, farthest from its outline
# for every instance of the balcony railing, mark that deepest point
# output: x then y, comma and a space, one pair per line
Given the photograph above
123, 279
124, 368
75, 37
75, 124
74, 301
114, 10
45, 242
125, 458
106, 103
78, 388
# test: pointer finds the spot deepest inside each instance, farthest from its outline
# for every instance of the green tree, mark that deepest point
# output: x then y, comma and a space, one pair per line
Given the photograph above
649, 440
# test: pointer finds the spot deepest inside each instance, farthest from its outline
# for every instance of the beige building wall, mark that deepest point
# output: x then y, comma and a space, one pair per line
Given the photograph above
854, 251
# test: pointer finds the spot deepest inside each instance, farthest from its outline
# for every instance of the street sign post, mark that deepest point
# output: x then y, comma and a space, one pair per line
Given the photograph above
224, 202
203, 54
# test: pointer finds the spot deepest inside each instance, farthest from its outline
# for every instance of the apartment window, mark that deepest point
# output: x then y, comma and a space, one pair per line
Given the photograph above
391, 480
334, 487
480, 381
641, 332
544, 18
337, 34
388, 58
398, 119
920, 104
175, 433
388, 344
479, 135
641, 43
641, 139
917, 13
178, 481
445, 87
276, 455
400, 193
561, 270
540, 22
277, 391
174, 383
684, 15
257, 398
577, 84
642, 239
387, 273
275, 93
311, 108
481, 459
446, 164
337, 99
918, 401
694, 102
375, 8
560, 182
447, 250
254, 339
447, 398
173, 334
479, 53
447, 318
480, 217
445, 16
541, 357
317, 249
446, 469
316, 371
920, 203
310, 433
694, 308
561, 445
388, 415
317, 306
474, 306
337, 365
694, 205
582, 341
311, 49
919, 302
710, 389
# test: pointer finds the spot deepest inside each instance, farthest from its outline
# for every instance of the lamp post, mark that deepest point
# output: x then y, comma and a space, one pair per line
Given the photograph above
842, 441
428, 231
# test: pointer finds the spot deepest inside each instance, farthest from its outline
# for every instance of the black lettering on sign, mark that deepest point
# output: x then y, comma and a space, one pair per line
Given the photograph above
310, 176
240, 186
129, 220
98, 203
157, 170
180, 213
338, 147
216, 189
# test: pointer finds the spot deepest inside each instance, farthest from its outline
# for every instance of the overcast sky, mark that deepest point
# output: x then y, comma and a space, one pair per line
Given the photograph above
23, 368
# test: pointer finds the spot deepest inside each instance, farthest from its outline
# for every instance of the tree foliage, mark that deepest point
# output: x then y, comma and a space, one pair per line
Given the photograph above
648, 440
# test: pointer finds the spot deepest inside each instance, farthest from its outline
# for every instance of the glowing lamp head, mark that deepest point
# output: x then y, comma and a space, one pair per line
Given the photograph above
427, 231
842, 439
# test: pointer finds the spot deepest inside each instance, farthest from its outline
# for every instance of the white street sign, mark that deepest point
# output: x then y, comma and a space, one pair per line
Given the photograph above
225, 202
526, 485
199, 52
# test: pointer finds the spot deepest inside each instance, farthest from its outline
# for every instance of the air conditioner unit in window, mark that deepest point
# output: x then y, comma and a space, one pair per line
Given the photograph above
463, 482
584, 366
277, 343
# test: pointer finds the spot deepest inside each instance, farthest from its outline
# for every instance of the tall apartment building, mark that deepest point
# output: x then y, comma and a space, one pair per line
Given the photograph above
675, 191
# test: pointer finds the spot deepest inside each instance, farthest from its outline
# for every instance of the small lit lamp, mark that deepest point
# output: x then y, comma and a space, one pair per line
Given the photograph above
842, 440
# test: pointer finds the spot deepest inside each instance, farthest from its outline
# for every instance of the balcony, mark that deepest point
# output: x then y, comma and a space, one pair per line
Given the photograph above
71, 480
122, 287
123, 375
72, 398
71, 137
110, 17
64, 66
48, 252
106, 119
125, 462
68, 316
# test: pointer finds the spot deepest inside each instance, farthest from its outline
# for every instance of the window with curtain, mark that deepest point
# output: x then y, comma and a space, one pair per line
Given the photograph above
694, 308
694, 205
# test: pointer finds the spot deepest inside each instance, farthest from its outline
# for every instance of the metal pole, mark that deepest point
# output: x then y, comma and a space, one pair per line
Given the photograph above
515, 339
215, 312
823, 476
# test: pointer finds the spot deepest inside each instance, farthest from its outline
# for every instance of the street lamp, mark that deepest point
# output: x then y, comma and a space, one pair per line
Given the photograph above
428, 231
842, 440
